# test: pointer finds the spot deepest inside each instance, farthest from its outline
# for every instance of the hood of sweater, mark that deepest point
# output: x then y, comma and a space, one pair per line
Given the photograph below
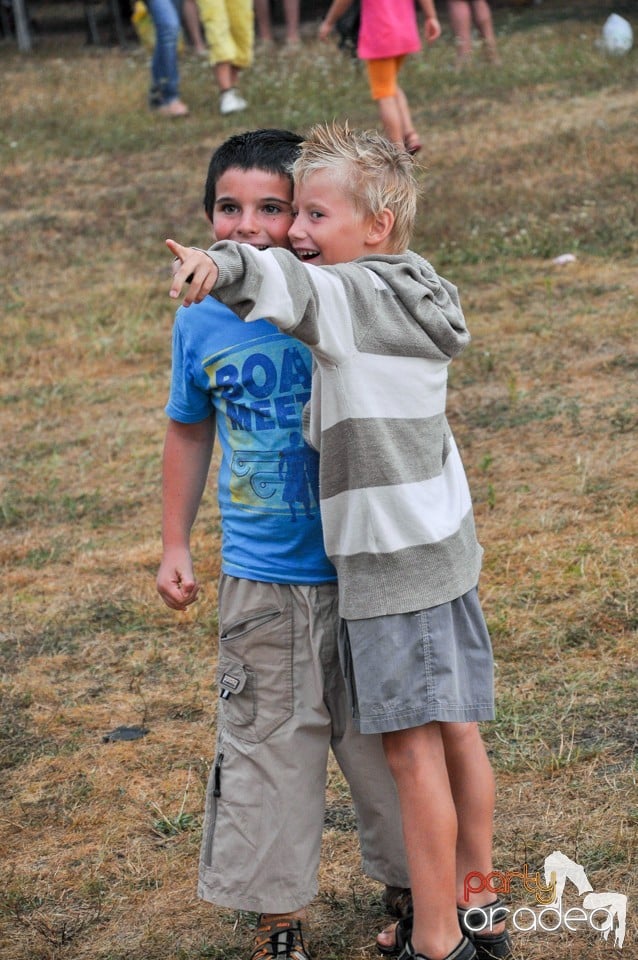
429, 300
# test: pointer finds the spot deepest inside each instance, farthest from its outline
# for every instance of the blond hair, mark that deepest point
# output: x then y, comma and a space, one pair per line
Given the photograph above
375, 173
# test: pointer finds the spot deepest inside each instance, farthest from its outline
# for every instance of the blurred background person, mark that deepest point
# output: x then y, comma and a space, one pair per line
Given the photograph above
229, 27
388, 32
164, 96
264, 24
463, 15
193, 27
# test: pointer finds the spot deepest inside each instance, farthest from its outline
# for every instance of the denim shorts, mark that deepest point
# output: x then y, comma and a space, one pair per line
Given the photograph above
404, 670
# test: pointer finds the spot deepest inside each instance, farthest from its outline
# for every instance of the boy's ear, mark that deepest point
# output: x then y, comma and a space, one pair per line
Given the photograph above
380, 227
209, 221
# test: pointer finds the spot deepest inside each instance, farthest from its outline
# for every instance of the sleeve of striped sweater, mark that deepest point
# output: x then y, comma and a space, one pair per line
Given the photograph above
268, 283
334, 308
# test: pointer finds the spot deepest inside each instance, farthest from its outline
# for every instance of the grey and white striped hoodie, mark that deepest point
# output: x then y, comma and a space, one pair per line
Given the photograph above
395, 503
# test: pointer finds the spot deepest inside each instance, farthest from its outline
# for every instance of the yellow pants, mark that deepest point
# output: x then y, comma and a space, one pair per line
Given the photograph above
229, 29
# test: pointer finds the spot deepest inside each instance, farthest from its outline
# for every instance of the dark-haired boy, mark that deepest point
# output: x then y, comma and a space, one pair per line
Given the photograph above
283, 701
396, 507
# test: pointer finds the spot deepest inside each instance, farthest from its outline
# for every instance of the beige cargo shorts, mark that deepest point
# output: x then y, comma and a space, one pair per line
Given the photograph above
282, 707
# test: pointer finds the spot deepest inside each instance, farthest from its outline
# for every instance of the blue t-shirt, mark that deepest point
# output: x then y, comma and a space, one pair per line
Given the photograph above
255, 381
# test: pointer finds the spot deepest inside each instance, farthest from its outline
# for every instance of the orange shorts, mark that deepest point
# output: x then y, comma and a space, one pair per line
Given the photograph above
382, 76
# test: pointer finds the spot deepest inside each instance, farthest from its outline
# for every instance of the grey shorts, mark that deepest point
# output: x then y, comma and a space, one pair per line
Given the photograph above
408, 669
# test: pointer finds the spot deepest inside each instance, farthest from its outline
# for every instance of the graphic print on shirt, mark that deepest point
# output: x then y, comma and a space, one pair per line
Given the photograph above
261, 394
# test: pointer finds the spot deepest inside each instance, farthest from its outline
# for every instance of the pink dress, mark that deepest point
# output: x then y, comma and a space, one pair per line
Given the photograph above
388, 29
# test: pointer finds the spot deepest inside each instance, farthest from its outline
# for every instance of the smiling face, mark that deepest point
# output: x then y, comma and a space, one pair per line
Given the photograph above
327, 227
253, 206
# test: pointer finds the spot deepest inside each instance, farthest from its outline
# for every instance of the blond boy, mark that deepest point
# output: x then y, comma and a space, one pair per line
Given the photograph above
395, 504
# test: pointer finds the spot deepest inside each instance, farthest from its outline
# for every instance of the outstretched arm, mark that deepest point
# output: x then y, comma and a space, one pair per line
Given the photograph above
187, 452
195, 268
266, 283
253, 283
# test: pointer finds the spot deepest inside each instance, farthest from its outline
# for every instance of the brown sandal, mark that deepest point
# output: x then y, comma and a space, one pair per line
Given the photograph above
412, 142
279, 939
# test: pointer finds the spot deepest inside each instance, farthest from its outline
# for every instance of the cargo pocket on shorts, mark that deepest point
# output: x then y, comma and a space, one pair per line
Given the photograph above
255, 673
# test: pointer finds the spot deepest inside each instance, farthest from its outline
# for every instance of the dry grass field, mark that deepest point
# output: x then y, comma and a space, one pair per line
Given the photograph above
99, 840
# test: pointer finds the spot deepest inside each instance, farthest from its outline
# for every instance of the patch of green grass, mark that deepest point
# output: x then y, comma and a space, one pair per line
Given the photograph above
340, 817
515, 411
171, 826
19, 508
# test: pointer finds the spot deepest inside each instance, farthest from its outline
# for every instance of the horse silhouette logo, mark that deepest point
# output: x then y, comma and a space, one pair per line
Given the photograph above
559, 869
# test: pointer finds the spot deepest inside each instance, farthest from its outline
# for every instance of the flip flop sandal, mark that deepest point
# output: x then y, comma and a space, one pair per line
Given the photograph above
488, 946
495, 947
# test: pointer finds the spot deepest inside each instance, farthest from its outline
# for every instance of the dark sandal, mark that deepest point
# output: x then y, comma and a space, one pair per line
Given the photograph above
498, 946
489, 946
398, 901
464, 950
402, 932
281, 939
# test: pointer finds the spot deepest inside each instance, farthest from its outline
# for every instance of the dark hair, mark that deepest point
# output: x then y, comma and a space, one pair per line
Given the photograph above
273, 151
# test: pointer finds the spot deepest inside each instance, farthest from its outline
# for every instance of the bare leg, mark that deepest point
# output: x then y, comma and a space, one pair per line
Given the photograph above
461, 21
483, 20
416, 758
409, 135
391, 118
291, 16
262, 16
300, 914
190, 16
471, 783
226, 75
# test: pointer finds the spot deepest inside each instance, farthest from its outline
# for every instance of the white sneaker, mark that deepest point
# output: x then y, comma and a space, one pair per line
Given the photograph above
231, 102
